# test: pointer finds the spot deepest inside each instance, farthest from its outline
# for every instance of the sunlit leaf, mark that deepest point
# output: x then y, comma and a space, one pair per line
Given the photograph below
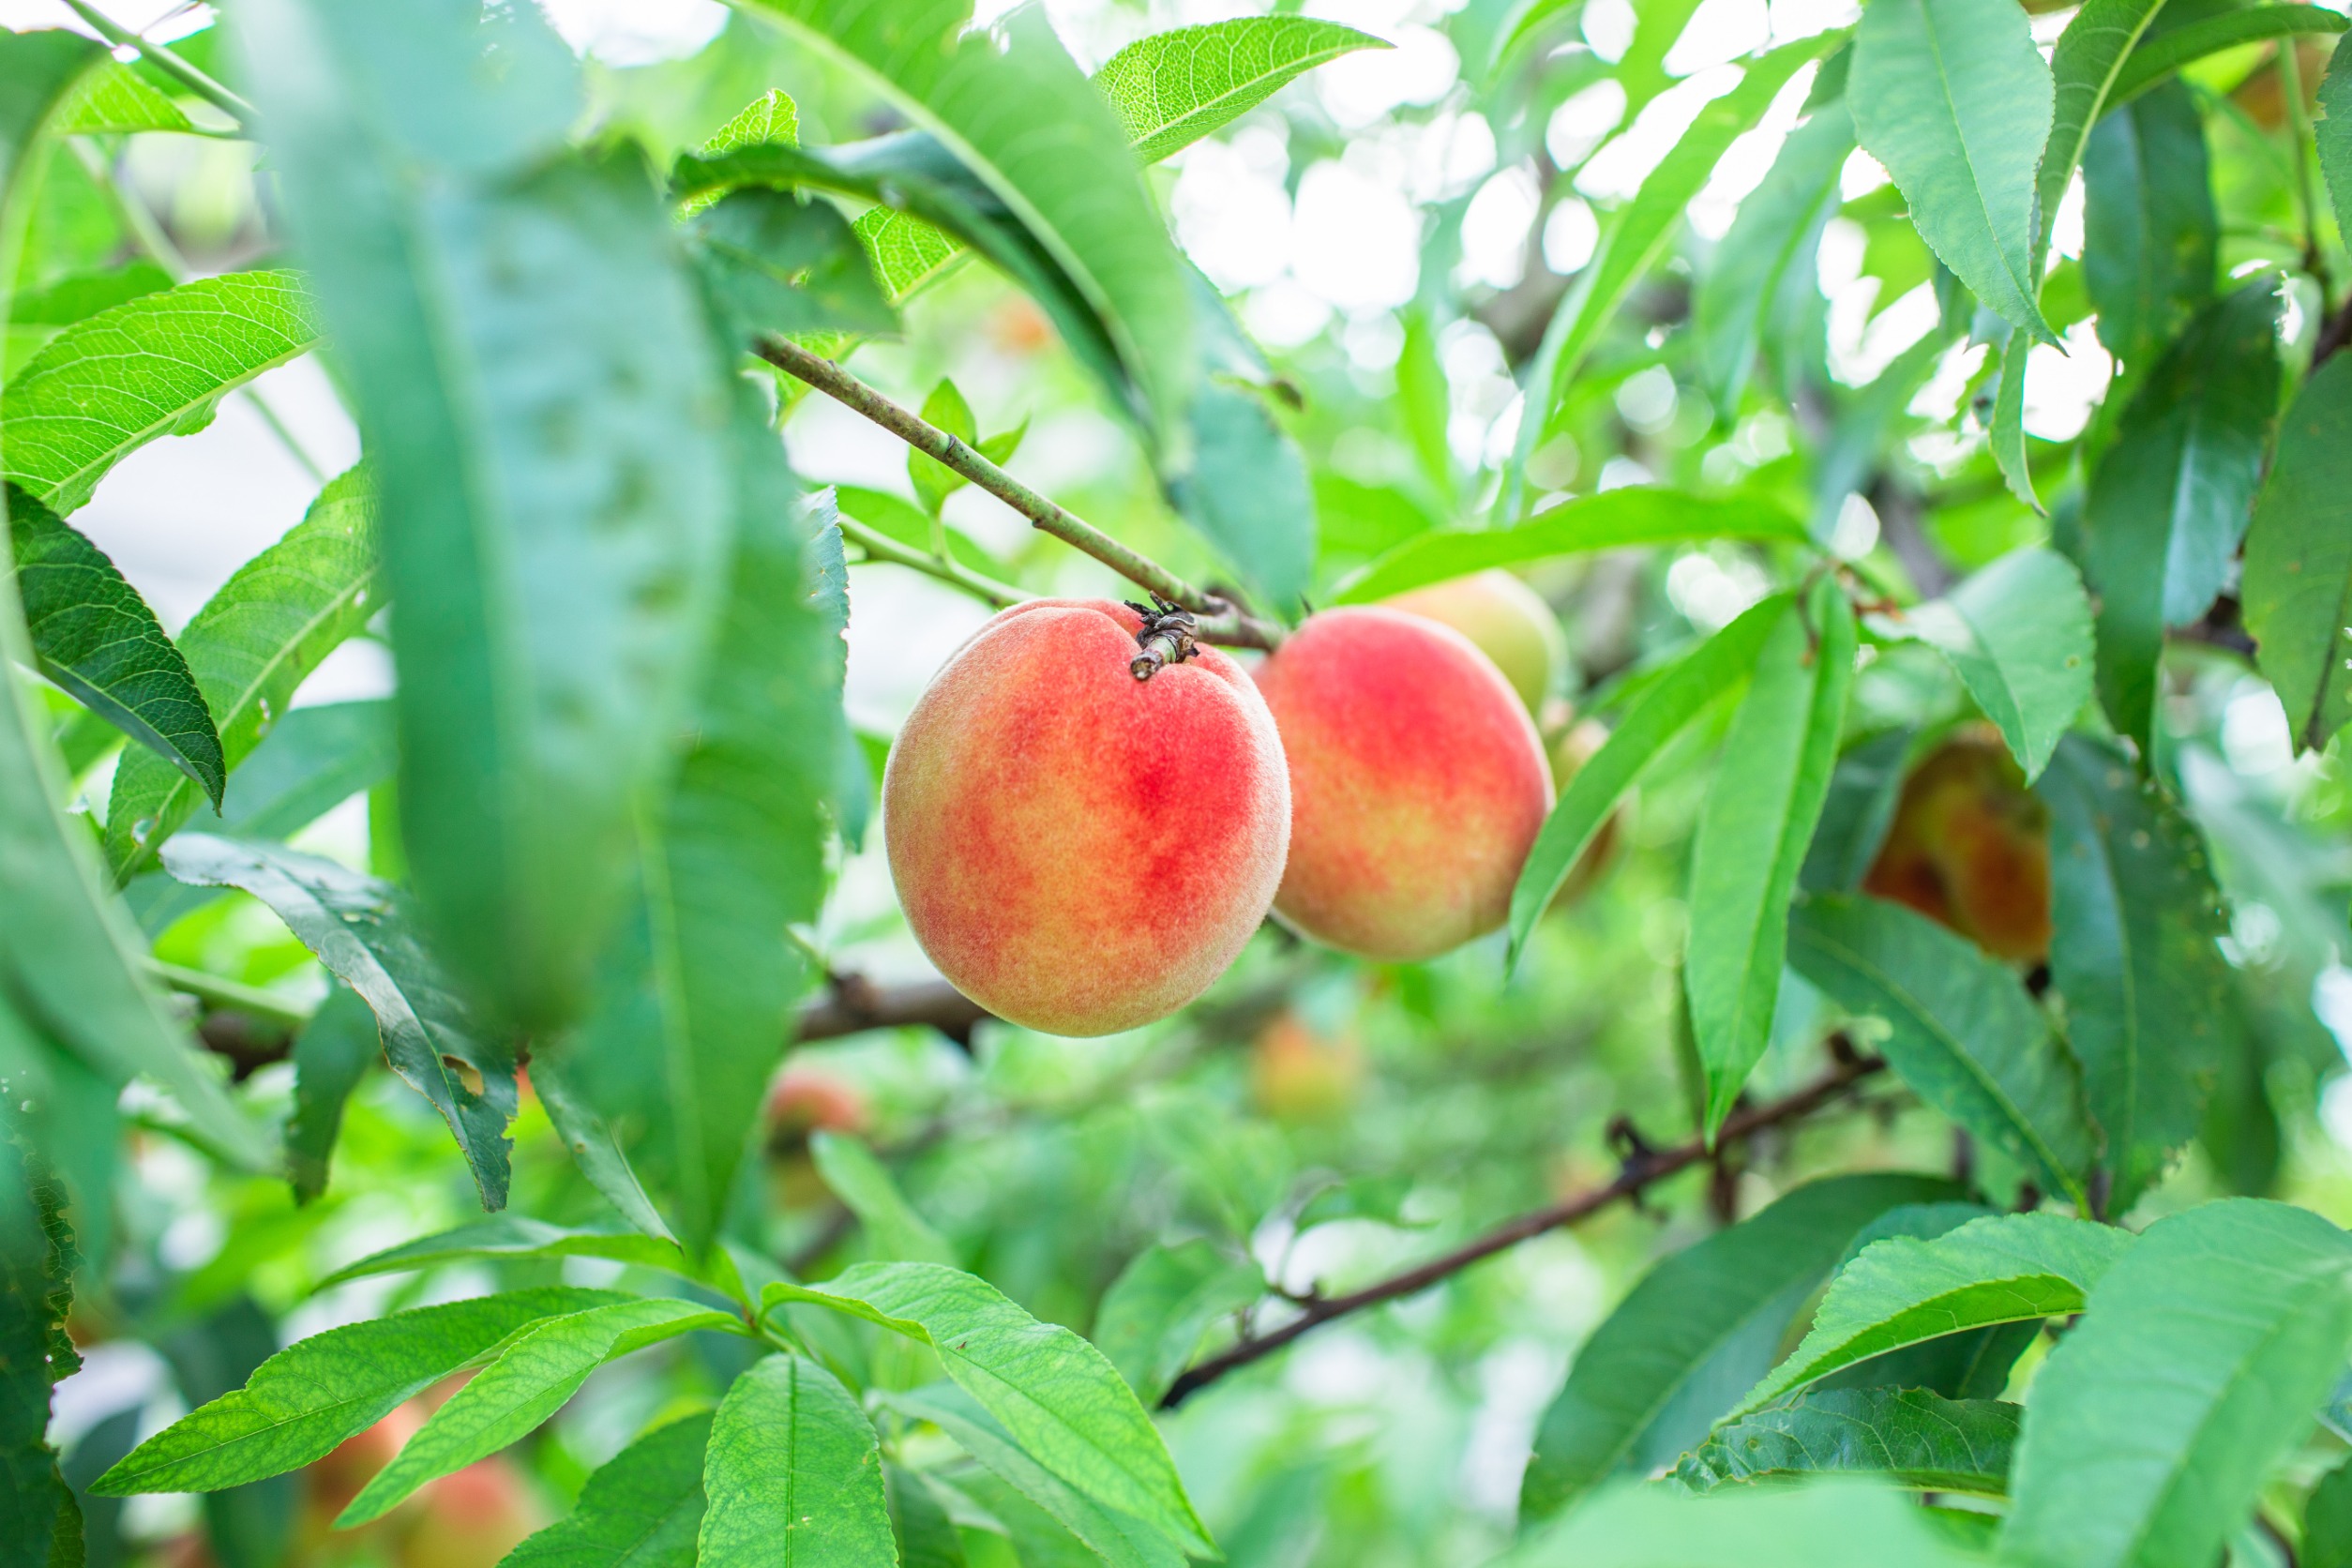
2165, 53
515, 1236
792, 1474
1840, 1523
1173, 88
2085, 67
115, 98
2018, 634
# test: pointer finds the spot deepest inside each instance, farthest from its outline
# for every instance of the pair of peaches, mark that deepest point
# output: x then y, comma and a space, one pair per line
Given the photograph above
1080, 851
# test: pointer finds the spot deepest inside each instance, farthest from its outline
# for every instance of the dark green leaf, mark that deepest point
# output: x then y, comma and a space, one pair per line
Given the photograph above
1835, 1523
251, 646
927, 1536
776, 263
97, 638
1904, 1290
1173, 88
37, 1262
2151, 231
2327, 1521
1751, 839
642, 1508
1779, 223
2161, 56
1963, 1032
2298, 559
1698, 1330
315, 1392
364, 931
893, 1229
792, 1475
2195, 1368
1955, 99
1863, 791
330, 1056
2089, 56
1657, 715
153, 366
546, 410
593, 1146
1247, 492
1155, 1313
1611, 519
2171, 498
2018, 634
1907, 1435
2134, 951
516, 1236
1974, 1363
2333, 134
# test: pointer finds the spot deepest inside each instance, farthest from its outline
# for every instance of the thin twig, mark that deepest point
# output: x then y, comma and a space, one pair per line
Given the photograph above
169, 63
1220, 620
879, 546
1643, 1168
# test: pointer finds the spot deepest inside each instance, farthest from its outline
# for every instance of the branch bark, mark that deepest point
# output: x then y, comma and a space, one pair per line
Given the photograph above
1643, 1168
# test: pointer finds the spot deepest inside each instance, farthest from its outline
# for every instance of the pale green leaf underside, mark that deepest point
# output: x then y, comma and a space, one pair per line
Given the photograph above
2018, 634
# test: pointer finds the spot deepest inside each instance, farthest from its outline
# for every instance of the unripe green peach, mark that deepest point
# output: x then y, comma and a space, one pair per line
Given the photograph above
1507, 619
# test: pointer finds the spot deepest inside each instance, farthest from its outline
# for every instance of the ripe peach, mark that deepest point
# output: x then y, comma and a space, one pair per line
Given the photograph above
1298, 1073
1077, 850
1417, 783
806, 1099
1970, 847
472, 1517
1507, 619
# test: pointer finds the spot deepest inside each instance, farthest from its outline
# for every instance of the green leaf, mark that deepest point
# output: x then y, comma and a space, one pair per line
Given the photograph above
2084, 67
116, 99
1700, 1328
640, 1509
932, 479
2135, 952
1835, 1523
772, 116
79, 294
97, 638
330, 1056
1752, 838
1611, 519
1778, 224
38, 1257
1963, 1032
927, 1536
1155, 1313
312, 1395
902, 521
2159, 57
516, 1236
1117, 1538
1662, 712
794, 1476
1247, 492
1910, 1437
531, 1379
2196, 1367
2172, 496
251, 646
2150, 234
906, 252
152, 366
2007, 437
1954, 98
2333, 134
2018, 635
545, 411
2327, 1521
2298, 559
893, 1229
594, 1148
1974, 1363
1057, 1396
365, 934
1173, 88
776, 263
1864, 789
39, 69
1905, 1290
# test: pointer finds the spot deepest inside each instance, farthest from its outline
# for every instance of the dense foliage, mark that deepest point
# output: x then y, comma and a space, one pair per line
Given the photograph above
1902, 1118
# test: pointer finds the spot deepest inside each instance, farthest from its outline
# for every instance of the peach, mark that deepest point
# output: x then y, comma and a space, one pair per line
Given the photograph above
1507, 619
1299, 1074
1969, 847
472, 1518
806, 1099
1078, 851
1417, 783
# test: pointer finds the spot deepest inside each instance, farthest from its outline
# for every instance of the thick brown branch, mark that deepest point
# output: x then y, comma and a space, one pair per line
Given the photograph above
1643, 1168
1220, 620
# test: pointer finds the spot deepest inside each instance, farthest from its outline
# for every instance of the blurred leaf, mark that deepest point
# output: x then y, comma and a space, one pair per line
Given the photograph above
2134, 951
925, 1536
1424, 402
312, 1395
1963, 1032
932, 479
1779, 223
772, 116
115, 98
330, 1056
37, 1262
1155, 1313
2150, 229
1909, 1436
1247, 492
1173, 88
2298, 587
365, 934
545, 412
1662, 712
1698, 1331
2018, 635
1905, 1290
39, 69
71, 298
516, 1236
2333, 135
1355, 520
640, 1509
1855, 815
153, 366
2165, 53
64, 1114
97, 638
1953, 96
542, 1367
250, 648
2089, 57
1058, 1396
792, 1474
893, 1229
902, 521
2172, 496
593, 1146
1751, 839
2327, 1521
1839, 1523
2007, 436
776, 263
2241, 1304
1611, 519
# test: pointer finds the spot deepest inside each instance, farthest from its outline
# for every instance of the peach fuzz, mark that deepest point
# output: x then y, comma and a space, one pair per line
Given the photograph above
1077, 850
1507, 619
1417, 783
